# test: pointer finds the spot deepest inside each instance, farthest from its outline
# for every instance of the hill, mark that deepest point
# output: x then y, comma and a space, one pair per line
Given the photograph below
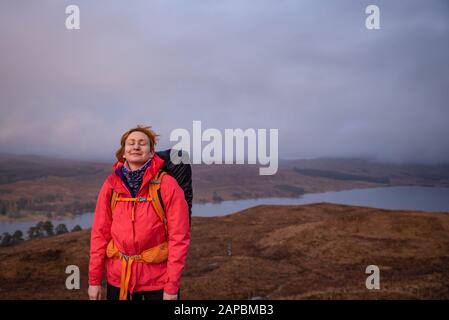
34, 187
317, 251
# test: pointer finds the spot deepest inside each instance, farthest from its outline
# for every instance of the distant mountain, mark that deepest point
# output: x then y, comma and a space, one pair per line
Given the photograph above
34, 185
17, 168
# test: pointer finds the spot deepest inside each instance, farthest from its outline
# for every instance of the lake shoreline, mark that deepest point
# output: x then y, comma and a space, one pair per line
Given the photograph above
43, 217
425, 200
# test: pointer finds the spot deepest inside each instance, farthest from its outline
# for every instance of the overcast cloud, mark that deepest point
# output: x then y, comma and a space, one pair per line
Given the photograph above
309, 68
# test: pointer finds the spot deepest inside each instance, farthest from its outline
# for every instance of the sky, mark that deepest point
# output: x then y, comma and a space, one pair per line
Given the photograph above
310, 69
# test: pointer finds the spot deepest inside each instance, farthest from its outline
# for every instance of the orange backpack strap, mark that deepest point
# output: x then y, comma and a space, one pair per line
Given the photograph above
156, 198
113, 200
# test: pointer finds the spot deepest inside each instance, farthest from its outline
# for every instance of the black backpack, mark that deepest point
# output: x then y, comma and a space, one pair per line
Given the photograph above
182, 172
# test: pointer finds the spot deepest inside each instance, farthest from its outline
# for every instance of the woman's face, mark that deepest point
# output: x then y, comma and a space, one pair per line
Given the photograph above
137, 149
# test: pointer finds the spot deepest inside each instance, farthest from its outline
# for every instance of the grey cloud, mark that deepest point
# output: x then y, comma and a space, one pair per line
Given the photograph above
309, 68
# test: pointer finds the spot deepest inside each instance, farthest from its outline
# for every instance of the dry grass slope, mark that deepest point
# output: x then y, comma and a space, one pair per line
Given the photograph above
317, 251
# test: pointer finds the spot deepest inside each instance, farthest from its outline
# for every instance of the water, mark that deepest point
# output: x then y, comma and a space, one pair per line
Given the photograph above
411, 198
395, 198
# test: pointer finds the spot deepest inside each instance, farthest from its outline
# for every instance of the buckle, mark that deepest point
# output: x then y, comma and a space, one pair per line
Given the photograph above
124, 256
141, 199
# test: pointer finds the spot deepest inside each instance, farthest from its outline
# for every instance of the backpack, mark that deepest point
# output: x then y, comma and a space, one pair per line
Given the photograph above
182, 172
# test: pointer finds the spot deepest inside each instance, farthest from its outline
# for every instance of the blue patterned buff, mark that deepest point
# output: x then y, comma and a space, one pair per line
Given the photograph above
134, 177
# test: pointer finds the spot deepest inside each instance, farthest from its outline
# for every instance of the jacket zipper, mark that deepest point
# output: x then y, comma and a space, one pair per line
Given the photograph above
134, 230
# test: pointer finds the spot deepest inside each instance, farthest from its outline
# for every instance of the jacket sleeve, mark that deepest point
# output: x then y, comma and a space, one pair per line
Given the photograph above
177, 213
100, 235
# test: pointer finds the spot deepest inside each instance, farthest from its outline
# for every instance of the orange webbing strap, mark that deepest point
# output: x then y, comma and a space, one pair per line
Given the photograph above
156, 254
155, 186
113, 200
130, 199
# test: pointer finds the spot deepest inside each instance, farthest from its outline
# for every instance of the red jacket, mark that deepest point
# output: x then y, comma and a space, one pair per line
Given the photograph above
146, 231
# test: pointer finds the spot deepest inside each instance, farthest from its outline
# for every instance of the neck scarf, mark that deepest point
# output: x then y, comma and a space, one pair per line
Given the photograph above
134, 177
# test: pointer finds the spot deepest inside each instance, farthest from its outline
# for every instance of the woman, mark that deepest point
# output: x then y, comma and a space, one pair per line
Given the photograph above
144, 252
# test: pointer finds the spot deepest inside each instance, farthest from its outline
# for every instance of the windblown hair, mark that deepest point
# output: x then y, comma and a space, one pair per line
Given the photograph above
152, 136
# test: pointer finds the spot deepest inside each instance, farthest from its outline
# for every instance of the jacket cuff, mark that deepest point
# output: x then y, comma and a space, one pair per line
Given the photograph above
171, 288
94, 282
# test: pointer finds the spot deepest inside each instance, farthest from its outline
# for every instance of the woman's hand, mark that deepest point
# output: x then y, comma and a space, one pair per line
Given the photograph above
170, 296
94, 292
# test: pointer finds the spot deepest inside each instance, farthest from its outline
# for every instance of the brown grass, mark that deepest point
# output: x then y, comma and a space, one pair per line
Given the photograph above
317, 251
